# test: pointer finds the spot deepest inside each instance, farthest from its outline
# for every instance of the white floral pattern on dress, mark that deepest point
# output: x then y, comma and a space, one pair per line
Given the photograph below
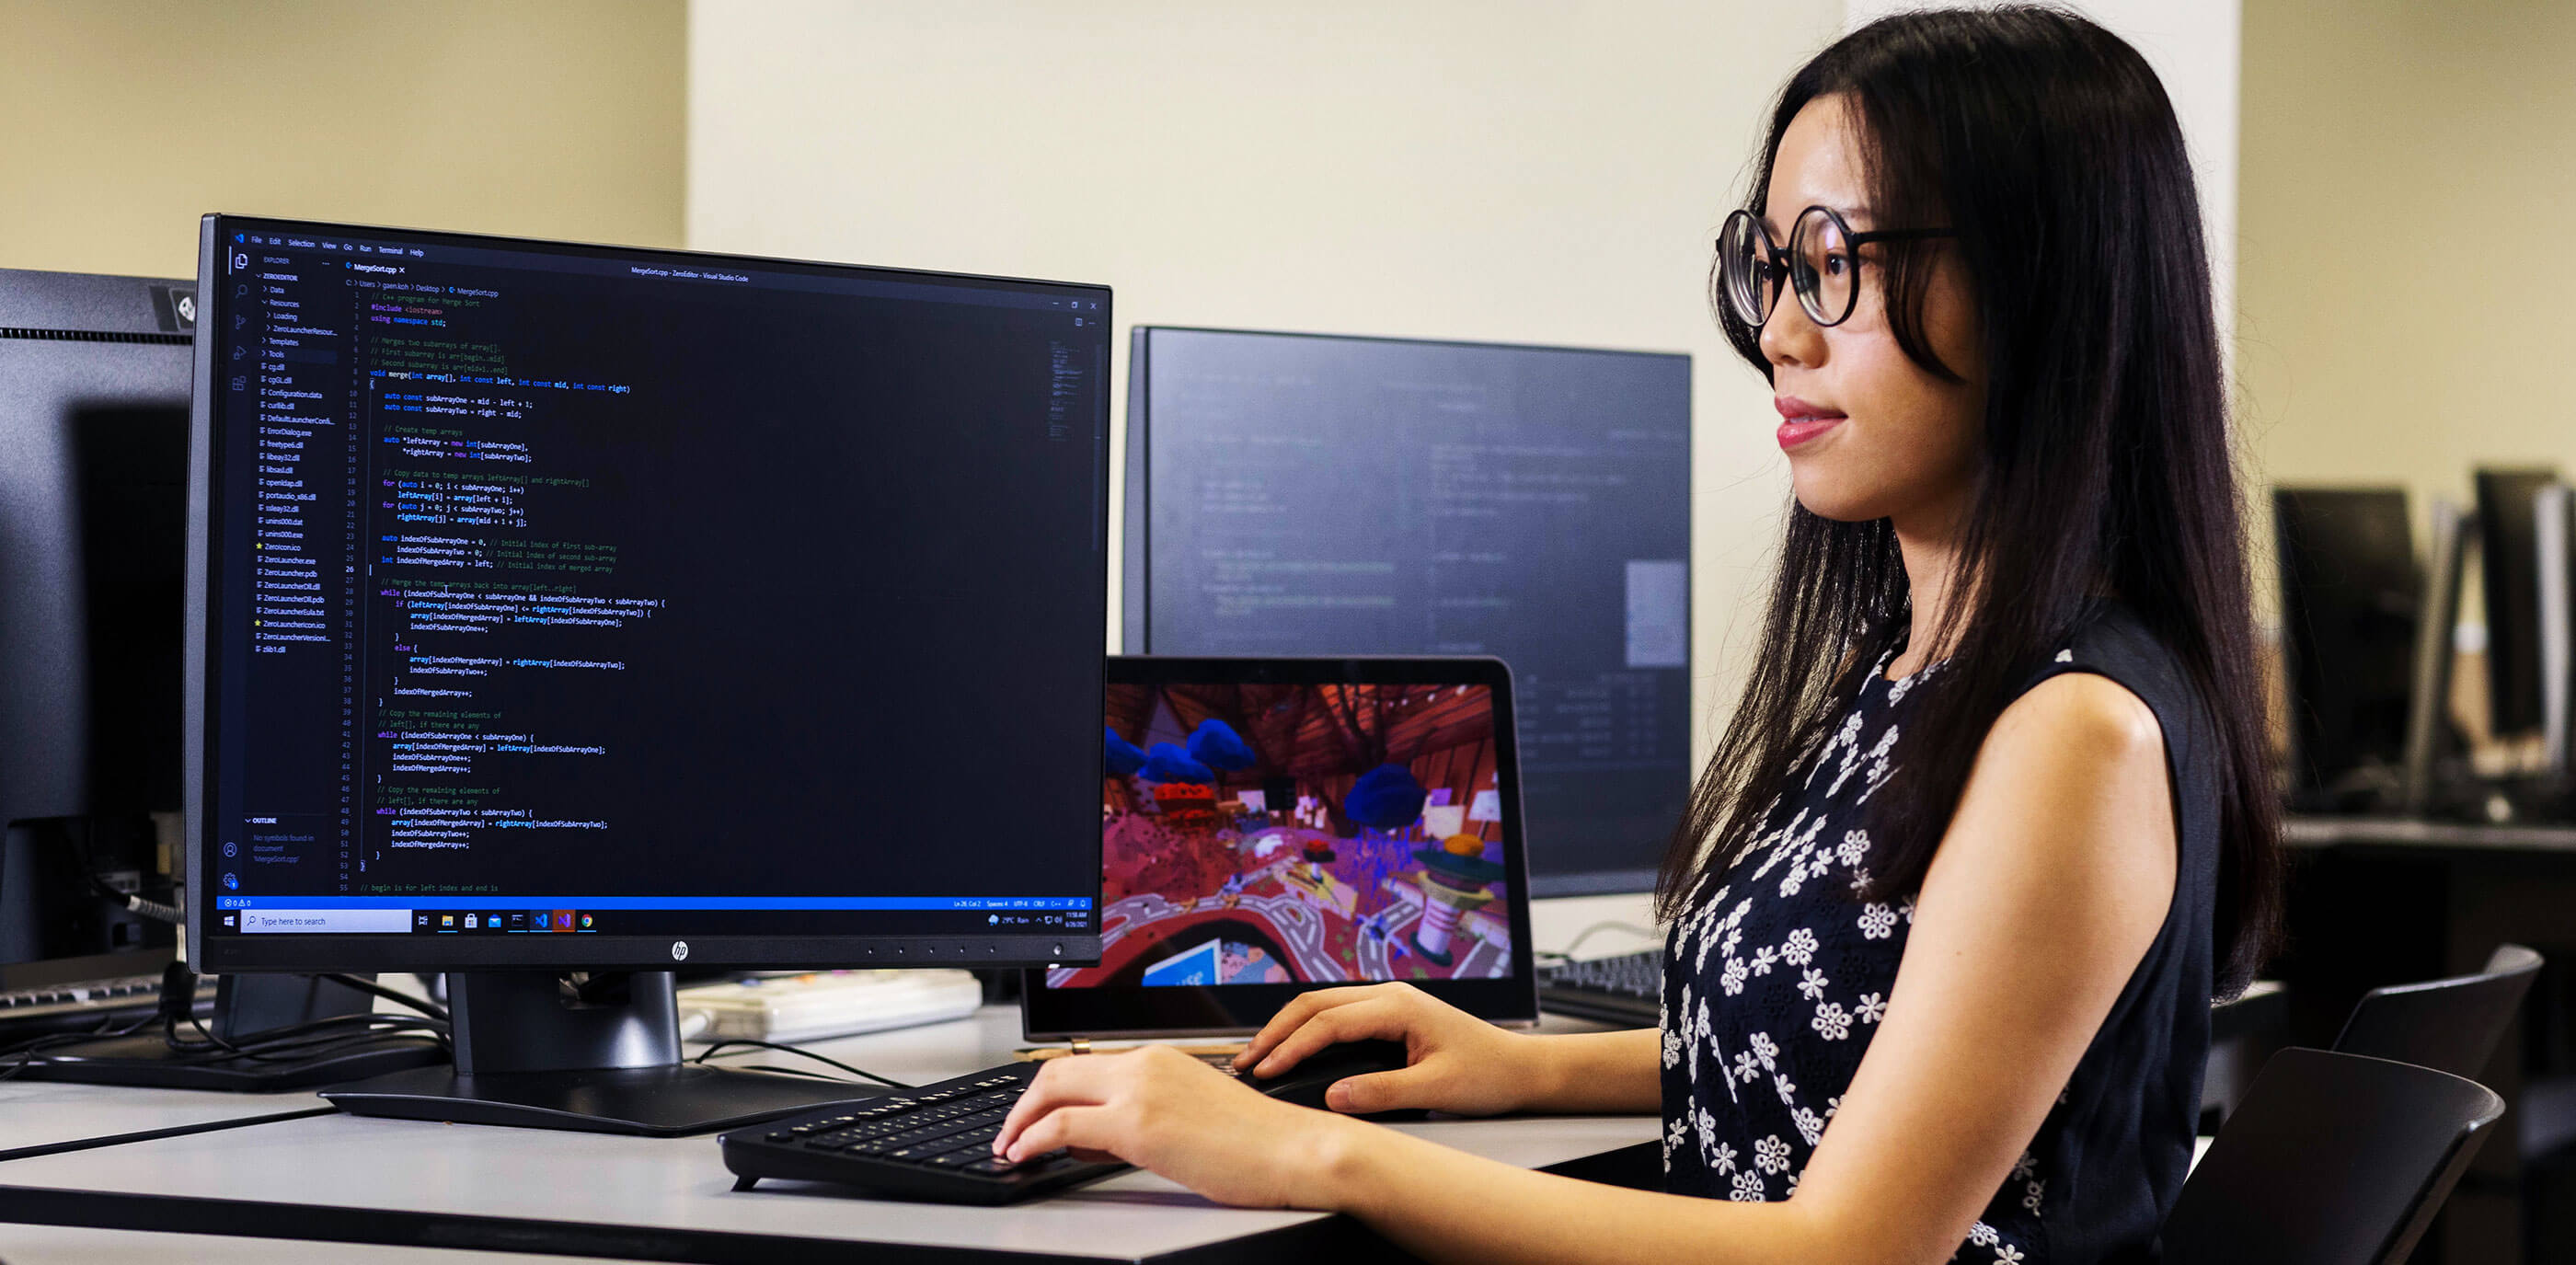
1776, 945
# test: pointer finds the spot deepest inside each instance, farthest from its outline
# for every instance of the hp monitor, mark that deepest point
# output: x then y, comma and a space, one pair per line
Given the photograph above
564, 614
1292, 494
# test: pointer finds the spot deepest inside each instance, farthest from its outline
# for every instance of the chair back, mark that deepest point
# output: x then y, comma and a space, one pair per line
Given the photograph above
2449, 1025
2331, 1159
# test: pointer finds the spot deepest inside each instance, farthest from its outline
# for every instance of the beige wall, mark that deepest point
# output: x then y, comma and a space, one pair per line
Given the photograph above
2407, 268
127, 119
1480, 169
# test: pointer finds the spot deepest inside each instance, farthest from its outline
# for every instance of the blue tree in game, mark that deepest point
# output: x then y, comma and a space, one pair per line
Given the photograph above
1123, 758
1384, 800
1215, 744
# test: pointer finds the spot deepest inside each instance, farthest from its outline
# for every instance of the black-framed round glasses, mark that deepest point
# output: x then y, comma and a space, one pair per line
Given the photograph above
1821, 262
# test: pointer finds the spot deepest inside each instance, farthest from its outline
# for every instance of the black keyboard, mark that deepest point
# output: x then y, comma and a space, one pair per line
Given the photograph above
1626, 990
936, 1142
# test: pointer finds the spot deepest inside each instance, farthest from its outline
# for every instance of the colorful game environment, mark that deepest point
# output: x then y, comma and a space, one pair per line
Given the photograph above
1279, 834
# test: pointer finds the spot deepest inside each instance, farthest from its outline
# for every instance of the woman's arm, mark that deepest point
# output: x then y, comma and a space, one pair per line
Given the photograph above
1612, 1073
2051, 883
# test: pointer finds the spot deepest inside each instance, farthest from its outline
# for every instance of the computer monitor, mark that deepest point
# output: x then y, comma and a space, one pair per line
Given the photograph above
2351, 591
1297, 494
566, 614
2509, 568
93, 473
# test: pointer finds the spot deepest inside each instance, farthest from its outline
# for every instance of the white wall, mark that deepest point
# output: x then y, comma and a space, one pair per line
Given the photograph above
131, 118
1526, 172
2196, 47
1503, 169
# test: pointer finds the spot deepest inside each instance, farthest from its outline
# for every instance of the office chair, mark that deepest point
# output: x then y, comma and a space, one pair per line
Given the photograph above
2450, 1025
2331, 1159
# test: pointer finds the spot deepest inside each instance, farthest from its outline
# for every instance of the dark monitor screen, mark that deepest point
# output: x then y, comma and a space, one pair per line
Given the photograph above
2351, 589
2509, 570
1294, 494
587, 606
94, 377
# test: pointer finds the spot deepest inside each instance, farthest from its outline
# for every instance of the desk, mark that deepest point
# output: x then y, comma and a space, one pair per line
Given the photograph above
2376, 900
41, 1117
408, 1183
67, 1245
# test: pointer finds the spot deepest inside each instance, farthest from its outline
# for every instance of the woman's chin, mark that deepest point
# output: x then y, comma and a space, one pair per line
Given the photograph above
1820, 498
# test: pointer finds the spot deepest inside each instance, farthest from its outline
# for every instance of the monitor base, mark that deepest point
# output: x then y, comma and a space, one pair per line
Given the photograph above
594, 1052
672, 1100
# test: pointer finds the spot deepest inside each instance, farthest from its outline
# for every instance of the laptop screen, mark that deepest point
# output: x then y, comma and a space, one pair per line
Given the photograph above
1305, 831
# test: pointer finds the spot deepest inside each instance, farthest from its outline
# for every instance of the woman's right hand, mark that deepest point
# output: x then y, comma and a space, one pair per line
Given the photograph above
1455, 1062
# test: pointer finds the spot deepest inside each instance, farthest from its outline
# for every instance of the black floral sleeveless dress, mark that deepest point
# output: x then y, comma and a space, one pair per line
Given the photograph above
1777, 975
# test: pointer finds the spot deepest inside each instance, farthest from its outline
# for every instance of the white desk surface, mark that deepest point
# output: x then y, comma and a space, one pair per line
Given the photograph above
45, 1113
72, 1245
662, 1192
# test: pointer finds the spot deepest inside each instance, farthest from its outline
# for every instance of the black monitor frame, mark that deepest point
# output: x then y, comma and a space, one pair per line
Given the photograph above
2351, 598
2509, 566
658, 953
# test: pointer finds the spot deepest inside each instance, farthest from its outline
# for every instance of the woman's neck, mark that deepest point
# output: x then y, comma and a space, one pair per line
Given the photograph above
1931, 559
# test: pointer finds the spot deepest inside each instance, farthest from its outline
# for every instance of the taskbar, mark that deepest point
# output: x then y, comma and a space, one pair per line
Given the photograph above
449, 916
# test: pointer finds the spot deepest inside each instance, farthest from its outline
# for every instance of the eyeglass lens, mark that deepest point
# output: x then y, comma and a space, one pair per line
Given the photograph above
1822, 267
1744, 261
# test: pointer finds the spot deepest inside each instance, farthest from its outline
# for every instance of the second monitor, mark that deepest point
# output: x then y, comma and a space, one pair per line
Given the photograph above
1296, 494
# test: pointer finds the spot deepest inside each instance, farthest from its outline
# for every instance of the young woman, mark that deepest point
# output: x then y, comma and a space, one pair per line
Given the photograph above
1990, 825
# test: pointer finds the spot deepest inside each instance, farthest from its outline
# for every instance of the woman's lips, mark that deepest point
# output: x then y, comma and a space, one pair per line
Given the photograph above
1803, 430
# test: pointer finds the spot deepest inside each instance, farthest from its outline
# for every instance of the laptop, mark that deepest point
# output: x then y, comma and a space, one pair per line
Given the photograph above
1271, 826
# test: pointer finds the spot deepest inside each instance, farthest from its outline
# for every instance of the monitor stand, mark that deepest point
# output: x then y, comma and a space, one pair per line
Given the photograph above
246, 1008
600, 1055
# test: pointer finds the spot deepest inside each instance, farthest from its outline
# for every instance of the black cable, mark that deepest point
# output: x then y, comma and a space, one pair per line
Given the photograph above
307, 1040
25, 1053
801, 1053
429, 1008
132, 902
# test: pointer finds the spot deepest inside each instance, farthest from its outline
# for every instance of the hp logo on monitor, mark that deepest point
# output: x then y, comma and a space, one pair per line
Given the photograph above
679, 950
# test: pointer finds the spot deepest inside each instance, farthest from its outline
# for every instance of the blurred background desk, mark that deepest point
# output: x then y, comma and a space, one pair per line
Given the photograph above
2383, 900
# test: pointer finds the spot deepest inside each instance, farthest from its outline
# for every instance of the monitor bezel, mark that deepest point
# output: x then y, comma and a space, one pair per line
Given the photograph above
1055, 1014
413, 952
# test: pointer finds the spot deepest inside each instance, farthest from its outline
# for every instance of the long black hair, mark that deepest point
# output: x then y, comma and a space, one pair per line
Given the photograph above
2048, 146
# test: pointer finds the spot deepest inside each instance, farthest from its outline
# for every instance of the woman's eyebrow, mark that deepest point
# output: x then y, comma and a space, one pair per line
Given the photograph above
1856, 214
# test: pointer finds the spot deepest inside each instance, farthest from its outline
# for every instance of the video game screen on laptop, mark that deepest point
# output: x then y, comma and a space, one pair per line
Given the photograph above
1273, 825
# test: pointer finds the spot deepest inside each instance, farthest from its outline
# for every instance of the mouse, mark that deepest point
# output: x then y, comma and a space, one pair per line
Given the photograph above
1305, 1083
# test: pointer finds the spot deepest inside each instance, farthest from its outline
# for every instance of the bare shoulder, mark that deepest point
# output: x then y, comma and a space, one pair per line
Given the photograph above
2086, 714
2073, 771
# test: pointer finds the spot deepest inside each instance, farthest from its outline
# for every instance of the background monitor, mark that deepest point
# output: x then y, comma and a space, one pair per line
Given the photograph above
588, 607
2509, 568
2351, 590
93, 480
1298, 494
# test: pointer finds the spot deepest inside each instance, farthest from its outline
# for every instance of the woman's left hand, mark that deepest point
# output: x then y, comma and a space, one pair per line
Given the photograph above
1160, 1109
